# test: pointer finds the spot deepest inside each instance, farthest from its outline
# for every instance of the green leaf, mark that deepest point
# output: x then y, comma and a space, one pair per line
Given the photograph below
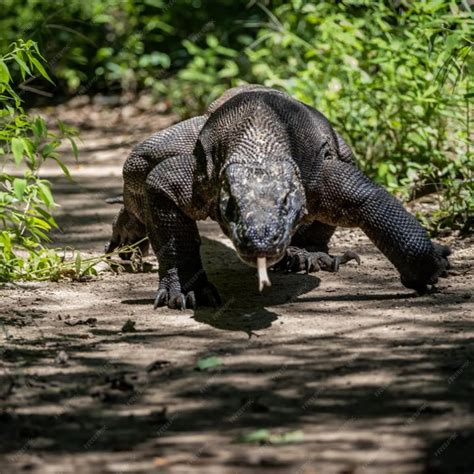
39, 223
39, 67
212, 41
78, 264
63, 167
47, 217
19, 186
45, 193
29, 148
23, 66
39, 127
18, 149
257, 436
290, 437
48, 149
4, 73
383, 169
74, 148
208, 363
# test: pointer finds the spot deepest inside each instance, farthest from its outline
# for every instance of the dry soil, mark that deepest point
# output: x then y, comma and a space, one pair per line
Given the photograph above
348, 372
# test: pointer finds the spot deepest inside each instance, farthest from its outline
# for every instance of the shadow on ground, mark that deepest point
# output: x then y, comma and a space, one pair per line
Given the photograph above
364, 402
377, 380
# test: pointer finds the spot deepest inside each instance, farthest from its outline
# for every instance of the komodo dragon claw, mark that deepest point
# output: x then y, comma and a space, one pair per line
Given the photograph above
204, 295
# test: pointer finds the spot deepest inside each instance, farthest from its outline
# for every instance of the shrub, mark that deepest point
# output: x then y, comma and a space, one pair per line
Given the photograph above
394, 81
26, 199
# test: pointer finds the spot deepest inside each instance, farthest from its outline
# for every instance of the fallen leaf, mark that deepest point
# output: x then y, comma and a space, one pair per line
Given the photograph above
160, 461
289, 437
77, 322
208, 363
257, 436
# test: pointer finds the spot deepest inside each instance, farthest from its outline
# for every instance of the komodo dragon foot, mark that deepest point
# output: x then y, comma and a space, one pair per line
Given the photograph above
196, 292
128, 231
300, 260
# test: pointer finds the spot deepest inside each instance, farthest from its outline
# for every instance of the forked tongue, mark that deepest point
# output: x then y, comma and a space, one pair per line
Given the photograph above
263, 279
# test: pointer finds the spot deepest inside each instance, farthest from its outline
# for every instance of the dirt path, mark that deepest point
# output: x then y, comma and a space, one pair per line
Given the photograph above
359, 373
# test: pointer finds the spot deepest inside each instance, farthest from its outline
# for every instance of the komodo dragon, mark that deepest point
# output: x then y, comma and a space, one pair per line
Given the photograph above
278, 179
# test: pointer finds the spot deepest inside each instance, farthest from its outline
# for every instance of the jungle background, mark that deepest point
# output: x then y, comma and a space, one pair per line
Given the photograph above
335, 373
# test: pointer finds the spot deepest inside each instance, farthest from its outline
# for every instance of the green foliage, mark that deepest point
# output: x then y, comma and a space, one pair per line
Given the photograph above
26, 199
393, 81
392, 76
212, 70
116, 45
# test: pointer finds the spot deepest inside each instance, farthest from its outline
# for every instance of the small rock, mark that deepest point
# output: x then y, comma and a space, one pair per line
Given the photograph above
61, 358
79, 101
157, 365
145, 102
129, 326
128, 111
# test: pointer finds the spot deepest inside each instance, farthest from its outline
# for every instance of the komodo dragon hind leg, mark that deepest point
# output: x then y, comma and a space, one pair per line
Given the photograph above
127, 230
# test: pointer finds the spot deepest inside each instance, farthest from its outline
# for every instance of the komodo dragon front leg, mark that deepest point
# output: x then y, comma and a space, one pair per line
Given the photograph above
129, 226
346, 197
172, 207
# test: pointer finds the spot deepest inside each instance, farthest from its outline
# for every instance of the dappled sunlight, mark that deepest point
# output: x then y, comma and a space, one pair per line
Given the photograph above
344, 372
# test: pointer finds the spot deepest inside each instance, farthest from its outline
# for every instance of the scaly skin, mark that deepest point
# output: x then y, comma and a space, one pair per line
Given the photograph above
278, 179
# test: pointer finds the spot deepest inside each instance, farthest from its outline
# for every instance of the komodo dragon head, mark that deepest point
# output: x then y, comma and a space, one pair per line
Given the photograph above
261, 204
